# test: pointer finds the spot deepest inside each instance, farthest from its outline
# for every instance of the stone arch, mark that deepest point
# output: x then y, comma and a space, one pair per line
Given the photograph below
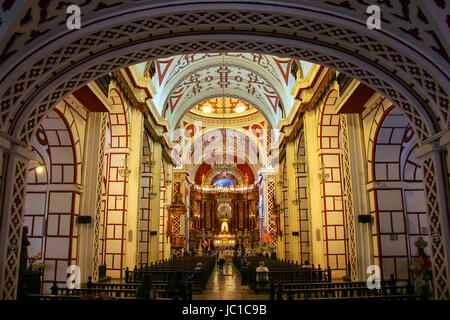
252, 157
345, 45
409, 70
211, 94
266, 76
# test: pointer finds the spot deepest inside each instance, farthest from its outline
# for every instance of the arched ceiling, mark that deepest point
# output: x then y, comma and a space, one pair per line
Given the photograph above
207, 148
210, 144
184, 81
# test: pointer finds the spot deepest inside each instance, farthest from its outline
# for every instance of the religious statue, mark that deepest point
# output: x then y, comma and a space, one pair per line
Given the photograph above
277, 211
29, 279
224, 211
253, 208
224, 227
195, 208
422, 269
178, 198
246, 179
224, 216
203, 179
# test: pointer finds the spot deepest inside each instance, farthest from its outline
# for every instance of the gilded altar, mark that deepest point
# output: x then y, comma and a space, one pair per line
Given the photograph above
224, 214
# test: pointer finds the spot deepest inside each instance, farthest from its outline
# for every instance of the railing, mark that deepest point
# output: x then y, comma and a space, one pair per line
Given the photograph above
260, 280
108, 291
197, 278
388, 290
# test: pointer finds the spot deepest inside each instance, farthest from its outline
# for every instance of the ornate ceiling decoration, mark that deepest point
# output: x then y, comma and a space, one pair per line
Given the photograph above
261, 80
218, 107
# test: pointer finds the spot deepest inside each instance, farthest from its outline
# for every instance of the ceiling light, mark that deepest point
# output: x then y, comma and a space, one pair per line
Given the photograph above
206, 109
240, 108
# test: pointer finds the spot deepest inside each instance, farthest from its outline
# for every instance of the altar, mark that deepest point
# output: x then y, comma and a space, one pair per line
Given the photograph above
224, 216
224, 240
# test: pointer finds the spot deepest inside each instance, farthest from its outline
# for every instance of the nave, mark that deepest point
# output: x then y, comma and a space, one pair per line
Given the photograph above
227, 286
162, 131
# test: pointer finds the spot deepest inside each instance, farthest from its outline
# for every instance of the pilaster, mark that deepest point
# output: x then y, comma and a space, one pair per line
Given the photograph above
311, 119
435, 179
134, 180
92, 175
290, 210
155, 203
359, 235
14, 181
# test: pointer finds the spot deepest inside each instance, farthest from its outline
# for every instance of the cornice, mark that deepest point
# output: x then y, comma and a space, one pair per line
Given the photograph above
150, 122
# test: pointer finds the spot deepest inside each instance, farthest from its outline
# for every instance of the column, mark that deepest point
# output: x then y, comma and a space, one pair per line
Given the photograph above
310, 121
279, 199
435, 179
268, 192
14, 181
356, 198
291, 210
90, 234
155, 203
203, 216
133, 196
169, 196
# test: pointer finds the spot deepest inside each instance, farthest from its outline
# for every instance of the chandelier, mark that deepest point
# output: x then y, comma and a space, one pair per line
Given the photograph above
224, 167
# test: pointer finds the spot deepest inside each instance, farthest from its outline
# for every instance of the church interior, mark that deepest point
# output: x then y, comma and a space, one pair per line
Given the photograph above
127, 157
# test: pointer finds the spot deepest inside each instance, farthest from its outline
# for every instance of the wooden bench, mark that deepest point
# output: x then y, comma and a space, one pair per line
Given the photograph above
259, 281
347, 291
162, 272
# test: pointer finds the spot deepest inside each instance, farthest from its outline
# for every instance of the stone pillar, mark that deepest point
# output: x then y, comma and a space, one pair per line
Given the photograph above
356, 198
234, 221
291, 210
169, 196
268, 192
133, 190
435, 179
94, 155
203, 216
178, 224
155, 202
310, 121
279, 199
15, 160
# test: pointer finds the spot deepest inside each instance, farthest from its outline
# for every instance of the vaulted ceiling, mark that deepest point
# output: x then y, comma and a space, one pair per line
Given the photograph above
185, 81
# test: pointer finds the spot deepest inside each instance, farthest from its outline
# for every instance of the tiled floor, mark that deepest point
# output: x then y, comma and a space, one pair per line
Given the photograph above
228, 287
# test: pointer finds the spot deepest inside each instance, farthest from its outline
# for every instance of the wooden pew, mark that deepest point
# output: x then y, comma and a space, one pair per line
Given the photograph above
161, 272
282, 271
348, 291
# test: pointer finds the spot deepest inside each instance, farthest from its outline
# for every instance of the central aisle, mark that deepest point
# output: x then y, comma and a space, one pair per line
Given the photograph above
228, 286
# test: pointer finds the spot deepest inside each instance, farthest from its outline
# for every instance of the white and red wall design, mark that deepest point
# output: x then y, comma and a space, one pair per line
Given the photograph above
53, 196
